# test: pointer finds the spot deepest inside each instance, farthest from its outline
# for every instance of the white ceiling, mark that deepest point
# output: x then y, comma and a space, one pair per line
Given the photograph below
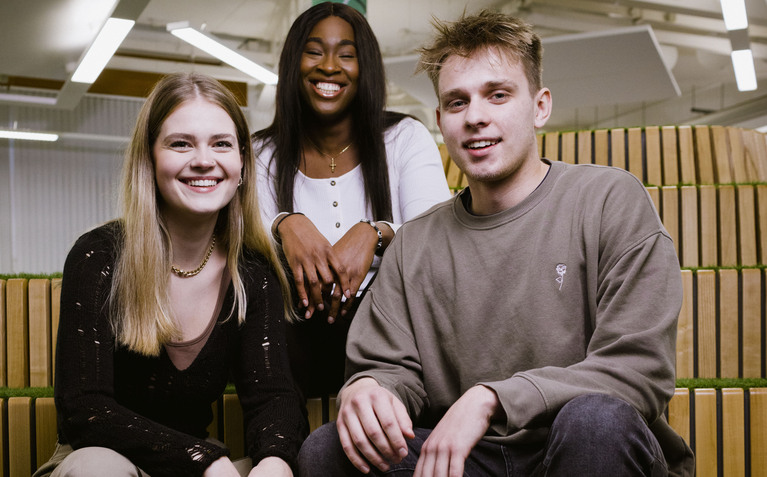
608, 62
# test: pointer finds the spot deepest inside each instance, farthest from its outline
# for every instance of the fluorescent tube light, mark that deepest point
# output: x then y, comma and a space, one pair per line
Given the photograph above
745, 74
734, 12
213, 47
104, 46
29, 136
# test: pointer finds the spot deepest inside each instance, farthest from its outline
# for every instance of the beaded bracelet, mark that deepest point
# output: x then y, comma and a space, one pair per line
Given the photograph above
378, 231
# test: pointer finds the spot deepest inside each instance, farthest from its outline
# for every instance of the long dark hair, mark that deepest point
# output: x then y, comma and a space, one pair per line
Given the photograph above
370, 120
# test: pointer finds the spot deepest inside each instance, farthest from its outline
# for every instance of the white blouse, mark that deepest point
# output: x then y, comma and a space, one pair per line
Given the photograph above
416, 181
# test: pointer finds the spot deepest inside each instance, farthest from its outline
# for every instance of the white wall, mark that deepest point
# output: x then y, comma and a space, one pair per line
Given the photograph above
52, 192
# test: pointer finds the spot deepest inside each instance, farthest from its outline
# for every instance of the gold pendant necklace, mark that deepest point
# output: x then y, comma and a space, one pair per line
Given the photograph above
332, 158
185, 274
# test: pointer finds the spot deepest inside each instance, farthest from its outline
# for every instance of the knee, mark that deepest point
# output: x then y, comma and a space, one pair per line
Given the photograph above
95, 462
321, 449
598, 417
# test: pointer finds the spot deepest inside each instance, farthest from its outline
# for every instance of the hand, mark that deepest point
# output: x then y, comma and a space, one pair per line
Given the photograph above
445, 451
356, 250
313, 263
271, 467
372, 424
221, 467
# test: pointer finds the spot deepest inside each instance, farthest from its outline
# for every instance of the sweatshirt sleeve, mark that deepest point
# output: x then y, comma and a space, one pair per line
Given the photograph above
380, 343
635, 286
89, 414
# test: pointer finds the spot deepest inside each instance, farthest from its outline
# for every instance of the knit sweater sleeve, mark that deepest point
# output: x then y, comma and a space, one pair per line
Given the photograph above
88, 412
272, 409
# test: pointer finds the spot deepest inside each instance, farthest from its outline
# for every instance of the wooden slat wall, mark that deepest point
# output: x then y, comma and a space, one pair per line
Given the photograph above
17, 328
706, 459
3, 338
667, 155
705, 156
20, 436
758, 428
729, 340
722, 444
733, 435
685, 352
45, 429
706, 324
40, 333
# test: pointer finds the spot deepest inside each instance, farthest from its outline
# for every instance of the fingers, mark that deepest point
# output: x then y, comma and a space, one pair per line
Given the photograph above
370, 429
439, 459
350, 447
336, 303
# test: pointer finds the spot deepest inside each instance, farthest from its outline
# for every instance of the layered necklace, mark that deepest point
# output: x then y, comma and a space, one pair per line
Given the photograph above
333, 157
191, 273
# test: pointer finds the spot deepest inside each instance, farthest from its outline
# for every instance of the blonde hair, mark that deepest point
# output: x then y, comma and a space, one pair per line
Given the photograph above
140, 305
487, 29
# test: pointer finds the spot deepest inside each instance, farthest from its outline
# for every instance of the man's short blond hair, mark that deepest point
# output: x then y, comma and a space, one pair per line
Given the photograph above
487, 29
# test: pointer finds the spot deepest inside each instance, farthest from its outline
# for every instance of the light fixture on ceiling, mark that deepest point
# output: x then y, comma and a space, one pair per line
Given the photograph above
101, 50
734, 12
214, 47
28, 136
745, 74
736, 22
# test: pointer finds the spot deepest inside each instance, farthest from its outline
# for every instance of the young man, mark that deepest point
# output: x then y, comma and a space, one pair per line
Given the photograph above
528, 326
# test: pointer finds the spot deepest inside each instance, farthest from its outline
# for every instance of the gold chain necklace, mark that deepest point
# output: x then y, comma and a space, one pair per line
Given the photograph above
185, 274
332, 158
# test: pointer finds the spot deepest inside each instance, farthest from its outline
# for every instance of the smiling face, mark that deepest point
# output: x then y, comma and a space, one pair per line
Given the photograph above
197, 160
488, 115
329, 68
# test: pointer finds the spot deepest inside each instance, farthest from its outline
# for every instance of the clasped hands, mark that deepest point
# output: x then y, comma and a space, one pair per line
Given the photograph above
323, 273
374, 426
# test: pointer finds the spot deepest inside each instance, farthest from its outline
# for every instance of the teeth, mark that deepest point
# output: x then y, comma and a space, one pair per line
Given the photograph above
202, 183
328, 87
479, 144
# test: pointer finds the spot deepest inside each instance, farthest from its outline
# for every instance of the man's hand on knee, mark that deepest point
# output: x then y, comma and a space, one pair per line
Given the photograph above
445, 451
373, 425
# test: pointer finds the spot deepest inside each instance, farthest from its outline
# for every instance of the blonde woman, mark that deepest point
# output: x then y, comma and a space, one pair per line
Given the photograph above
159, 310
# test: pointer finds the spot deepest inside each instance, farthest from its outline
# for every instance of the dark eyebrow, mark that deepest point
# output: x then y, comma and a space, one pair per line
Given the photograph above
314, 39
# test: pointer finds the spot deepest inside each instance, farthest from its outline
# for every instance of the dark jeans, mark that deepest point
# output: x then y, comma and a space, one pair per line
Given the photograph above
593, 435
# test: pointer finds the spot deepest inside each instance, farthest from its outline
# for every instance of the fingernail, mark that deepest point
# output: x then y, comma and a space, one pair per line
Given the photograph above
364, 469
348, 293
343, 312
331, 320
308, 314
305, 303
320, 307
402, 452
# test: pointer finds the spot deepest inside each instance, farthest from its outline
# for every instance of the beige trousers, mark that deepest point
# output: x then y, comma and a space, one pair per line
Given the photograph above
100, 461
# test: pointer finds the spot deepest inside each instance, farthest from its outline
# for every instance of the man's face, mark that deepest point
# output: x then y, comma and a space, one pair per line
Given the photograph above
488, 115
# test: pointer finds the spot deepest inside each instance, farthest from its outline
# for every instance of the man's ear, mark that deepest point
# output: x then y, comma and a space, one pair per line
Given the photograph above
543, 104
